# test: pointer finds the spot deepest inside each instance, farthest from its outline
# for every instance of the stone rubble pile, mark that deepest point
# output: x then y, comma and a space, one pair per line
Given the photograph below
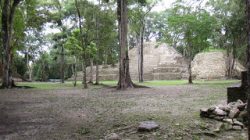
234, 113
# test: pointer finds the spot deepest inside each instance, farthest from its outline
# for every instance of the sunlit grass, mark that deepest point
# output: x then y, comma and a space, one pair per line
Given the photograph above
49, 85
178, 82
212, 49
69, 84
163, 83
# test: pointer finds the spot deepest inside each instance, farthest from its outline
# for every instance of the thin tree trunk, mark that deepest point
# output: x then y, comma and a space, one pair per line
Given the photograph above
228, 65
98, 47
43, 71
97, 74
62, 55
30, 73
75, 72
82, 45
91, 70
141, 54
84, 78
124, 75
190, 77
248, 62
139, 58
28, 65
233, 63
62, 65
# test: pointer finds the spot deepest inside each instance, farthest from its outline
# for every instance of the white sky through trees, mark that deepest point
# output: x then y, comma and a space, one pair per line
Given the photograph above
160, 6
163, 5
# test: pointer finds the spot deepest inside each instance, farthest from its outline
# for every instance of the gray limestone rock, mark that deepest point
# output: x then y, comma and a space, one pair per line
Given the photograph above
148, 126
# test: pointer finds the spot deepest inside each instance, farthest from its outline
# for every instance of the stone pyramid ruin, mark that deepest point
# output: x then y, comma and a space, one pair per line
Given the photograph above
162, 62
213, 65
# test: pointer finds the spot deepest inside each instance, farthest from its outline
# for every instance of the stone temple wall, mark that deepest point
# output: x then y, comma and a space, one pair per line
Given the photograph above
213, 65
162, 62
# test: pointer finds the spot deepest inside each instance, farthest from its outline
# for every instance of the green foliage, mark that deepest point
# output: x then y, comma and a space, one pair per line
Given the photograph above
156, 25
41, 68
20, 65
47, 67
231, 26
188, 30
138, 19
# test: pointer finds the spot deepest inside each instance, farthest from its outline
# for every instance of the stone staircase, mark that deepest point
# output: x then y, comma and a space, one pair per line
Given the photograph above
168, 72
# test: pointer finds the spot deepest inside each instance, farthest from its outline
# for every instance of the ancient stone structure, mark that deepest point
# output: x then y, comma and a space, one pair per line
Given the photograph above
213, 65
162, 62
238, 91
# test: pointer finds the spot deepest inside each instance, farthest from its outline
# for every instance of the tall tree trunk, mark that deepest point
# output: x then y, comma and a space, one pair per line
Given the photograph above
141, 54
97, 74
75, 71
8, 12
190, 77
229, 65
91, 70
30, 73
28, 65
98, 47
84, 79
62, 53
234, 59
124, 75
82, 45
248, 62
139, 58
62, 65
43, 72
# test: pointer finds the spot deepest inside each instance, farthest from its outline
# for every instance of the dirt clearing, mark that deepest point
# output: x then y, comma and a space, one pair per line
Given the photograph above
93, 113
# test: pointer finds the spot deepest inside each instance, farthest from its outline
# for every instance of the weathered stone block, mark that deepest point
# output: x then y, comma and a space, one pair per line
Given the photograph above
148, 126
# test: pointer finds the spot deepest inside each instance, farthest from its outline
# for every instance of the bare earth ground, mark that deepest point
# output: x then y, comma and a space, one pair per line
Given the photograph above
93, 113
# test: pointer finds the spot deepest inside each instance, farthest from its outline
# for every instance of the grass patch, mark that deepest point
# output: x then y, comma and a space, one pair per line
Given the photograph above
69, 84
212, 49
179, 82
49, 85
109, 83
164, 83
83, 131
217, 83
151, 83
